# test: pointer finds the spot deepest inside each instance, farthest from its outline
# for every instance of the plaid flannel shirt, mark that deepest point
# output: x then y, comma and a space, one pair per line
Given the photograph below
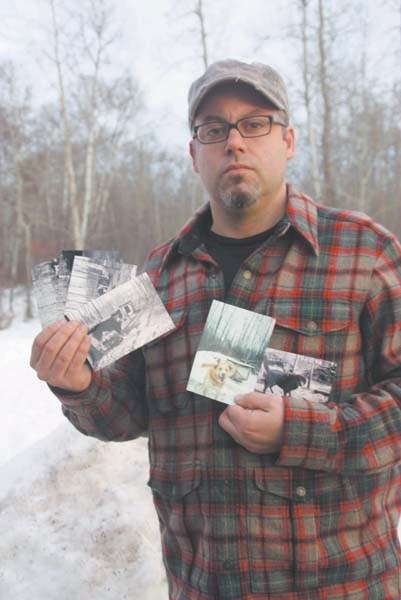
319, 519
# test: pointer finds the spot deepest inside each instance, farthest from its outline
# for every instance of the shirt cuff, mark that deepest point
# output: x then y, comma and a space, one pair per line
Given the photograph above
310, 436
87, 396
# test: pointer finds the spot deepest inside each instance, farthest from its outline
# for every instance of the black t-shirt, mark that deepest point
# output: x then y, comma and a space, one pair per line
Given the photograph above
230, 253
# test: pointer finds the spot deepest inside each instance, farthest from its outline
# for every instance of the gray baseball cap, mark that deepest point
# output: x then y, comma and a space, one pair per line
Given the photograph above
261, 77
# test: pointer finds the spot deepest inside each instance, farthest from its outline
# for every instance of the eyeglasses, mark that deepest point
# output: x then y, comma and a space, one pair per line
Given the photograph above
248, 127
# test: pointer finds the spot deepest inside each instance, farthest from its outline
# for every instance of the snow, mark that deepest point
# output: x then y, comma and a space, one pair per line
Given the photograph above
76, 515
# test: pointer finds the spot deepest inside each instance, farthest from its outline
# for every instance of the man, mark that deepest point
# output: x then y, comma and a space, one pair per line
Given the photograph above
274, 496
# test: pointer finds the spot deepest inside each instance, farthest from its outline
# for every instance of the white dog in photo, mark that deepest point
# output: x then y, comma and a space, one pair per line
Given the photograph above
216, 375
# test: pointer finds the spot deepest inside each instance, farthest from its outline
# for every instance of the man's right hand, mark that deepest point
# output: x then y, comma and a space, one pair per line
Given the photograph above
59, 353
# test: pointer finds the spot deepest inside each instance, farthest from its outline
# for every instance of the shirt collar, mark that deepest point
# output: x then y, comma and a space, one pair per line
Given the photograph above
301, 214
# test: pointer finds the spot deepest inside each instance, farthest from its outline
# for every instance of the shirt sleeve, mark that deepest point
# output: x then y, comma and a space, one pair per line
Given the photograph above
113, 407
363, 434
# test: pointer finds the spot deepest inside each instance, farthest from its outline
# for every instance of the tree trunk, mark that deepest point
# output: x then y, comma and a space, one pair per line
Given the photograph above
199, 12
327, 141
307, 99
69, 169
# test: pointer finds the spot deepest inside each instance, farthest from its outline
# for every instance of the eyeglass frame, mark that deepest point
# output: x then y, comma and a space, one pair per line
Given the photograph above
271, 118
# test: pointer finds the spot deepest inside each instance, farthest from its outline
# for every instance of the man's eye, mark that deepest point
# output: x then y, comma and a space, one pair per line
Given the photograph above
254, 124
215, 131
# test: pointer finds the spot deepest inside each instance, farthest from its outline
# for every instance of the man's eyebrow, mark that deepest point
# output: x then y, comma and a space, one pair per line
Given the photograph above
257, 111
207, 118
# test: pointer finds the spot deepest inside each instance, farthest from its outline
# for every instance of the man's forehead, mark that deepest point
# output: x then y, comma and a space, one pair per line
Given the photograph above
233, 90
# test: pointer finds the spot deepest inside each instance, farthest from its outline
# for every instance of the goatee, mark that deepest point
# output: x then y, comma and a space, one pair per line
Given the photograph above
237, 195
237, 200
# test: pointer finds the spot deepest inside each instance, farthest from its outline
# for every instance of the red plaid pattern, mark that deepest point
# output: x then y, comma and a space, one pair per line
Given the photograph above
319, 520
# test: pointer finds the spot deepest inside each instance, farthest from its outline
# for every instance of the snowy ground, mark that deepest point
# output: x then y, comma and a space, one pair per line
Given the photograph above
76, 516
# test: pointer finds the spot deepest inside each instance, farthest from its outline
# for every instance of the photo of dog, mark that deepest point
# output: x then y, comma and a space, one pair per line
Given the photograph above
220, 377
230, 353
287, 382
216, 375
296, 375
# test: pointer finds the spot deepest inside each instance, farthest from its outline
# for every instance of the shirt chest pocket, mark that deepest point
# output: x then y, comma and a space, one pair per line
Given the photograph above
319, 328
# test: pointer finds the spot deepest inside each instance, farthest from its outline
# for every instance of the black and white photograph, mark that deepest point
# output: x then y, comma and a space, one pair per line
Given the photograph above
296, 375
50, 286
51, 280
91, 278
122, 320
230, 352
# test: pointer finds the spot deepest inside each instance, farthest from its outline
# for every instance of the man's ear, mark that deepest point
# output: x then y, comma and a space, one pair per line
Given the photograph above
290, 141
192, 152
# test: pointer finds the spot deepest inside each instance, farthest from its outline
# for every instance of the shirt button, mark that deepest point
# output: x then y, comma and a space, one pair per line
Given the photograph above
312, 326
247, 275
300, 491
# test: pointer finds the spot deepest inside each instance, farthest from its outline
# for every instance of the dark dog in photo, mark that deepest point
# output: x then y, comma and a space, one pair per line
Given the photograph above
288, 382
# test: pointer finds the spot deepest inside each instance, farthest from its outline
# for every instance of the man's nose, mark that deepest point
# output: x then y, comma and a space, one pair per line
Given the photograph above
234, 140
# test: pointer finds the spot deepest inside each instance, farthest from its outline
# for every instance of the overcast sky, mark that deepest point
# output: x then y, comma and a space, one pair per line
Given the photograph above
157, 41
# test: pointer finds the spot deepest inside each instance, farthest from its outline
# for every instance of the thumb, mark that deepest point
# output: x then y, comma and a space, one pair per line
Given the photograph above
254, 400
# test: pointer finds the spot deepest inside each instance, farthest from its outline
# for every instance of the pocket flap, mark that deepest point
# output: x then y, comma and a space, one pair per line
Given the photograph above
317, 318
172, 485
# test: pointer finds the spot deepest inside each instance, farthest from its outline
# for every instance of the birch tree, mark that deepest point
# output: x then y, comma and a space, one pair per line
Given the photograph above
307, 97
16, 114
94, 115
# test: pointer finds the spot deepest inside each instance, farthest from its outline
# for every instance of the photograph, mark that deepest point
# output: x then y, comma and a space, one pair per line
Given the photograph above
51, 280
50, 286
122, 320
230, 352
296, 375
93, 277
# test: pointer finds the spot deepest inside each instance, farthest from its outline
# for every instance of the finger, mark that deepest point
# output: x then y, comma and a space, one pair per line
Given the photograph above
80, 356
59, 350
41, 340
227, 424
231, 418
68, 353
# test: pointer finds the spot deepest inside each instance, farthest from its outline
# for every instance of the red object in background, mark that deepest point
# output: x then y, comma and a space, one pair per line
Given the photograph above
45, 248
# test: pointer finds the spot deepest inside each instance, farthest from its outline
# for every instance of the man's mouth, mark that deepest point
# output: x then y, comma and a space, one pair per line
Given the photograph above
236, 168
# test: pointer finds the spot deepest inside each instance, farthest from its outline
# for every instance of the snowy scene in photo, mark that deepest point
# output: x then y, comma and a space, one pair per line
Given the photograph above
122, 320
296, 375
51, 280
122, 311
50, 287
230, 352
91, 278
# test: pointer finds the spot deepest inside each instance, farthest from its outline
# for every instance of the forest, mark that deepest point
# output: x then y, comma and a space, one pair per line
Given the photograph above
85, 167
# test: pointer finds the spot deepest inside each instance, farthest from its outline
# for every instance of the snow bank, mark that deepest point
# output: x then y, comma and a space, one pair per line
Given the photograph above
28, 409
77, 521
76, 515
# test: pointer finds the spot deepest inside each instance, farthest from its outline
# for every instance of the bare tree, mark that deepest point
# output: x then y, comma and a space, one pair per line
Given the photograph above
327, 141
307, 94
99, 113
17, 110
199, 12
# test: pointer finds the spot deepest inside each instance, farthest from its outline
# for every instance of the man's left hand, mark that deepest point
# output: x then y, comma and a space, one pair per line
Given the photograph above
256, 421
